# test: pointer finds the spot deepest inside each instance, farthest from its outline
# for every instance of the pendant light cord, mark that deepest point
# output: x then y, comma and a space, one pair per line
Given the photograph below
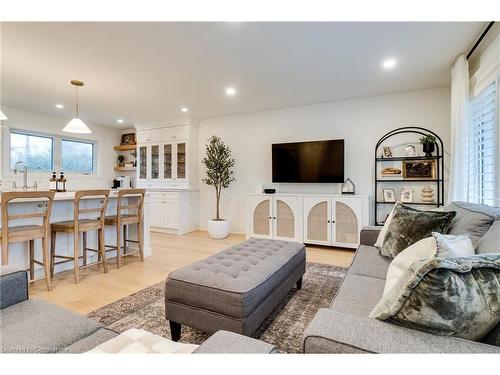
77, 102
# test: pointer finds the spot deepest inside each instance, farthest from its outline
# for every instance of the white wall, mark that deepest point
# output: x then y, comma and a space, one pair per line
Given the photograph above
106, 138
361, 122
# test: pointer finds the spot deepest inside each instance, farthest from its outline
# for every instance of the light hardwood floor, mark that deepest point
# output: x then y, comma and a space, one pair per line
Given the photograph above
169, 252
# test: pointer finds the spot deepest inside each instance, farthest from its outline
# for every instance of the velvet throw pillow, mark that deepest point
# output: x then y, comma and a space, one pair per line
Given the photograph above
409, 225
446, 296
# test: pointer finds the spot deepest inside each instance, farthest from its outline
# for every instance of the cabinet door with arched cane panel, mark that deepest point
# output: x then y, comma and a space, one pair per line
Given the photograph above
287, 218
347, 218
317, 220
261, 208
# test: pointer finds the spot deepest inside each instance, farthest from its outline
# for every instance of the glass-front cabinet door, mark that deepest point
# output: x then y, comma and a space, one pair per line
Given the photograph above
167, 161
143, 162
155, 162
181, 159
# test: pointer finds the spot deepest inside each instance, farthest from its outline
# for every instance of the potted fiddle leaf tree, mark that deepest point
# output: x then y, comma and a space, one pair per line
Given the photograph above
219, 174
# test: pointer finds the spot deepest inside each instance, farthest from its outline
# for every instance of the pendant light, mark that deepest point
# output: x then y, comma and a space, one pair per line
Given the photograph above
76, 125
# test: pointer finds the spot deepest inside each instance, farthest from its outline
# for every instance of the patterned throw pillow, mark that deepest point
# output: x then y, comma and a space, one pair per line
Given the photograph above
446, 296
409, 225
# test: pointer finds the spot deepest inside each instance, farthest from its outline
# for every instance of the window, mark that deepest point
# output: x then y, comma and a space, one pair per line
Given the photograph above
36, 151
483, 148
47, 153
77, 156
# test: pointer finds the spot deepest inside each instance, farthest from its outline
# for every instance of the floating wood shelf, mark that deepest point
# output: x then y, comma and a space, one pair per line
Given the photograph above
125, 147
125, 168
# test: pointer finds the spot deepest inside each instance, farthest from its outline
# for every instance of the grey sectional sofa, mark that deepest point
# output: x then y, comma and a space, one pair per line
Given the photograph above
344, 327
35, 326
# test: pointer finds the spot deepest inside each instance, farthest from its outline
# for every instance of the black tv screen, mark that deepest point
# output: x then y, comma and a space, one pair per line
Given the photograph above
318, 161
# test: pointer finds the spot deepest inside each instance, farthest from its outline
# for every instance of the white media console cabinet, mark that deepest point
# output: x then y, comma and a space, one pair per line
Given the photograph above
331, 220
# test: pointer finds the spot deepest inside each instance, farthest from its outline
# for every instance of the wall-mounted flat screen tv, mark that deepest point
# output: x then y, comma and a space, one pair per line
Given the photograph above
317, 161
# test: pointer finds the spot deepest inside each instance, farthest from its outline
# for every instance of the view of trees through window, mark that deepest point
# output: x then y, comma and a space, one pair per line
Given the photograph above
35, 151
77, 156
45, 153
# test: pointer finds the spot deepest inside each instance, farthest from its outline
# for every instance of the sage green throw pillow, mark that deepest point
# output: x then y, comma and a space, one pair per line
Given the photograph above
446, 296
409, 225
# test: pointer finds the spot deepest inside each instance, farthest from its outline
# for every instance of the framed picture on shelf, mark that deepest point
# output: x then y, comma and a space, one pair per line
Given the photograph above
389, 195
406, 196
128, 139
419, 169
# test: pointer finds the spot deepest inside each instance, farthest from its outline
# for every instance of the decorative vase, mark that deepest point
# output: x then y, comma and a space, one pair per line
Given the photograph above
218, 229
427, 195
428, 148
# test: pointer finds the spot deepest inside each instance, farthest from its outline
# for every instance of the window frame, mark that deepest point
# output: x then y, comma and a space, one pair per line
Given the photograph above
479, 196
33, 134
56, 154
94, 155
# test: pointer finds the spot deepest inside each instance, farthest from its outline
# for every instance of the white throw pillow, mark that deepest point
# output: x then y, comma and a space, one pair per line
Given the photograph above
381, 236
440, 245
423, 249
449, 246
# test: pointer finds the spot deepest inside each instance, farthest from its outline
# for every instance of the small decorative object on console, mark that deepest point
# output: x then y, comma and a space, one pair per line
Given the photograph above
389, 195
427, 195
406, 195
348, 187
269, 191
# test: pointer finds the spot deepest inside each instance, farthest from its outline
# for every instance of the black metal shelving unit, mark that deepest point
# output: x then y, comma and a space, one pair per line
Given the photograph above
439, 157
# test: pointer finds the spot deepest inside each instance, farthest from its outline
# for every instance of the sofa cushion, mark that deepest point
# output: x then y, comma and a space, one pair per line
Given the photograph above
446, 296
409, 225
90, 342
35, 326
13, 286
358, 294
490, 242
235, 281
472, 219
368, 262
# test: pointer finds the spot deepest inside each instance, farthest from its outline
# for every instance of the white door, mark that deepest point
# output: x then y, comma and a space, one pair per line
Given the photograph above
261, 208
287, 218
348, 213
318, 220
171, 214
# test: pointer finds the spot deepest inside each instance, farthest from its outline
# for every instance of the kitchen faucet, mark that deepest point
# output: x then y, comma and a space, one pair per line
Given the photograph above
25, 173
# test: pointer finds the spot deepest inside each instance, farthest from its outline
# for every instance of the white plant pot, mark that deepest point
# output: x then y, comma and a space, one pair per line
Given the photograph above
218, 229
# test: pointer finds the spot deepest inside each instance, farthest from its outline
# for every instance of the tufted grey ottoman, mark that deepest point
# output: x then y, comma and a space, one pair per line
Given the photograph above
236, 289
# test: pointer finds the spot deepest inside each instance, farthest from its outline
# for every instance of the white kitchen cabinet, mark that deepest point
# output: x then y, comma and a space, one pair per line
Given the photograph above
330, 220
277, 217
174, 212
165, 158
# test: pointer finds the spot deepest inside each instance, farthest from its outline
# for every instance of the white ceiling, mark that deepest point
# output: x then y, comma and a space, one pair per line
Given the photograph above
144, 72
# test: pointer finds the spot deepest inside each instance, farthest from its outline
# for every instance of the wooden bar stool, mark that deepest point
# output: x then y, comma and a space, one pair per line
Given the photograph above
124, 219
30, 233
82, 225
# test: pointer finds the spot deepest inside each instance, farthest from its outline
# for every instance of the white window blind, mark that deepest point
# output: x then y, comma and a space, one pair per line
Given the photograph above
482, 163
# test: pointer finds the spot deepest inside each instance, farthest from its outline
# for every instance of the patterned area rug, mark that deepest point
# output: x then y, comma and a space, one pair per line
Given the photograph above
284, 327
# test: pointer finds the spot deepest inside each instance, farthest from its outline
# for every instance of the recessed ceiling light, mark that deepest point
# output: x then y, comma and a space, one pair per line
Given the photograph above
389, 63
120, 121
59, 106
230, 91
184, 109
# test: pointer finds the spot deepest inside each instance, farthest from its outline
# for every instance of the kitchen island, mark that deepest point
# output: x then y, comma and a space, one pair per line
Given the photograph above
62, 209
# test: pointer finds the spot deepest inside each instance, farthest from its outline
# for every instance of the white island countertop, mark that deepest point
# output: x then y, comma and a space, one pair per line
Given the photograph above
66, 196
